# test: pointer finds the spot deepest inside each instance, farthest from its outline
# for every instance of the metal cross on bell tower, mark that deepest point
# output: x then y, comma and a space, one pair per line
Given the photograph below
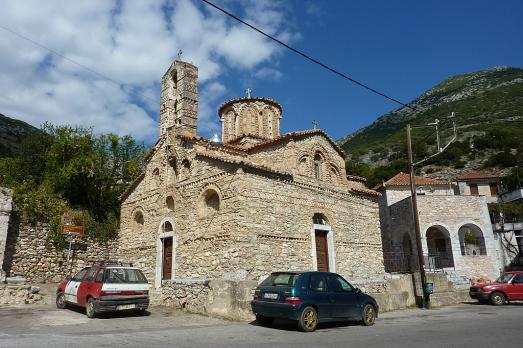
315, 124
248, 91
179, 55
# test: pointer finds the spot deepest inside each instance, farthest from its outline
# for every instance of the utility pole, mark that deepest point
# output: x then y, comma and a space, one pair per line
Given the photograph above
423, 275
414, 199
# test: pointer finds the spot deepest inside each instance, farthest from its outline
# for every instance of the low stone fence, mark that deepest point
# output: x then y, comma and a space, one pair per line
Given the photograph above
222, 298
30, 255
231, 299
19, 294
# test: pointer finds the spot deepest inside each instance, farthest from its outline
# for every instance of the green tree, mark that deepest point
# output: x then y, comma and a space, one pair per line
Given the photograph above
71, 170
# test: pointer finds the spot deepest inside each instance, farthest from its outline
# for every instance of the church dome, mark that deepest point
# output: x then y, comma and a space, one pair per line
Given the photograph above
251, 117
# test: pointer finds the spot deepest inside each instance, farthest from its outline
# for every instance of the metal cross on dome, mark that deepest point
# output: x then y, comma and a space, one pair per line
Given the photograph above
315, 124
248, 92
179, 54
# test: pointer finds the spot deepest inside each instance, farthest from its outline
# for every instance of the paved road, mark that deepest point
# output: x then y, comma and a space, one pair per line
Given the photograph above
466, 325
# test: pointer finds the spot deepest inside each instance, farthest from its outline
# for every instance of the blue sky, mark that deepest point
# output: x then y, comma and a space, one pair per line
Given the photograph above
399, 47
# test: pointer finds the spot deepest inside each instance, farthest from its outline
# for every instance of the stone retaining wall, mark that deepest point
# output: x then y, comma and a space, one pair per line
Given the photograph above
30, 255
222, 298
231, 299
19, 294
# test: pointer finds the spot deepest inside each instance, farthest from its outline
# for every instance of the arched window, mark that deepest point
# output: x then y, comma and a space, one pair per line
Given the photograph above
138, 219
174, 77
167, 227
169, 202
334, 173
186, 168
156, 172
236, 125
471, 241
210, 202
319, 219
318, 158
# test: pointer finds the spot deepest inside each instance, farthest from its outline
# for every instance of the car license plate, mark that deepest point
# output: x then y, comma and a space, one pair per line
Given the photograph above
124, 307
270, 296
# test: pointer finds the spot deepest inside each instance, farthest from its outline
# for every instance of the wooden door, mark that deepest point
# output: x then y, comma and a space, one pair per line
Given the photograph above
167, 261
322, 252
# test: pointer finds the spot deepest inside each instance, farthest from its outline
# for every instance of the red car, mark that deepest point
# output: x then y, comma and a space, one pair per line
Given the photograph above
506, 288
105, 287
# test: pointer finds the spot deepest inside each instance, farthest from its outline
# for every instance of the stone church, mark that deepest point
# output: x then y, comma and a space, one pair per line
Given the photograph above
256, 202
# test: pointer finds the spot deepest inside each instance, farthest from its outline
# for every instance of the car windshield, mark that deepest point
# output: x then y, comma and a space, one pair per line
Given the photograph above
124, 275
504, 278
281, 279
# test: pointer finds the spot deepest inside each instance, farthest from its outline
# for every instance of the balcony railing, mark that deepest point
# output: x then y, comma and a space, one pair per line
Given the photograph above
407, 263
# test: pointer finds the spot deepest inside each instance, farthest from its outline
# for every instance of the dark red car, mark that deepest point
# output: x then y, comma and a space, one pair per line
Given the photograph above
105, 287
506, 288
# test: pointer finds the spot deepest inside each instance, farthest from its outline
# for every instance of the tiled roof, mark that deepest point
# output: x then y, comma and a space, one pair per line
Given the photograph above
131, 187
356, 178
403, 179
265, 100
365, 191
471, 176
242, 162
299, 134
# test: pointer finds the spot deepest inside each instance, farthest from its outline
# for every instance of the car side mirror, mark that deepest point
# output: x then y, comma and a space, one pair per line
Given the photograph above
68, 277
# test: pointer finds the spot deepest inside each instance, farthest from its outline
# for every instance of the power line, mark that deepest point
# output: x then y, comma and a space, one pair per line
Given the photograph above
306, 56
105, 77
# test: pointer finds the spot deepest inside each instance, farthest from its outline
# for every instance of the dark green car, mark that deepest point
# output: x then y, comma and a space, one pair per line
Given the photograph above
311, 298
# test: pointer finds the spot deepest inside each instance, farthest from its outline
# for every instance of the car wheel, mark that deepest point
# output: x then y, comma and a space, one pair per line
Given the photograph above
60, 301
497, 298
308, 319
89, 308
263, 320
368, 315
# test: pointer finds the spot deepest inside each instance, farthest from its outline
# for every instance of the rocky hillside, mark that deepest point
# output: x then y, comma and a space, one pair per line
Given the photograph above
488, 108
11, 134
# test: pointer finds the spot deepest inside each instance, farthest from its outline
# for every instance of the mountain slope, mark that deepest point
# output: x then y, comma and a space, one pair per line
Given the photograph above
12, 132
488, 105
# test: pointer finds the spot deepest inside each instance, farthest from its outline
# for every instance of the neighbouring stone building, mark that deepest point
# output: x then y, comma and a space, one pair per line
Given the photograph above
6, 206
256, 202
456, 232
479, 184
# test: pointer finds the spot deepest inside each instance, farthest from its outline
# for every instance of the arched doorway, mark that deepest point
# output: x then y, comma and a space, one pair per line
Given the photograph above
439, 248
324, 258
165, 252
471, 240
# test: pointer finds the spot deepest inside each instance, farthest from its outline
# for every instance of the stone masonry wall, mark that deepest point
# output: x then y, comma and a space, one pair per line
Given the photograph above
30, 254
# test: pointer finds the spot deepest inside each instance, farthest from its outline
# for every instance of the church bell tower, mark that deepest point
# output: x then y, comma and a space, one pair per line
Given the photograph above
179, 99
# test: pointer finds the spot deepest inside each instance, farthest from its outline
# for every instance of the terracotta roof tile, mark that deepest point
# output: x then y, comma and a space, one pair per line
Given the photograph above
266, 100
242, 162
403, 179
356, 178
299, 134
477, 176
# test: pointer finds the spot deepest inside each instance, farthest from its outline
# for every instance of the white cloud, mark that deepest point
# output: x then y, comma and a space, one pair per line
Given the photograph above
133, 43
268, 74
